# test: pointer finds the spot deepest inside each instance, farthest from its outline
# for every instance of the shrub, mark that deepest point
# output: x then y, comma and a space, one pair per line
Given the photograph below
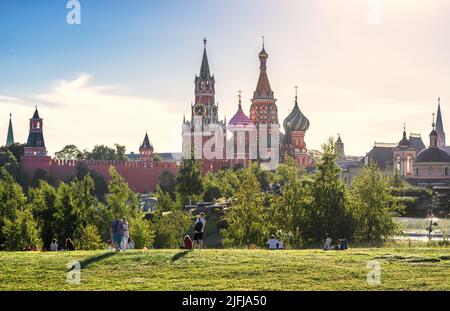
88, 238
142, 232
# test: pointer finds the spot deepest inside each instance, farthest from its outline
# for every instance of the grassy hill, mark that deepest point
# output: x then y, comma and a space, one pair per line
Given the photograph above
228, 269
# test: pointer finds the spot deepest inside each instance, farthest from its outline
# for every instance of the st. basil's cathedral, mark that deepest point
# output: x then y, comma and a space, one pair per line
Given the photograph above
245, 130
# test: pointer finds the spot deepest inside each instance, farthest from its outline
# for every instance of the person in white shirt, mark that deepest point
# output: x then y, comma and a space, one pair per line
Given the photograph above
273, 243
54, 246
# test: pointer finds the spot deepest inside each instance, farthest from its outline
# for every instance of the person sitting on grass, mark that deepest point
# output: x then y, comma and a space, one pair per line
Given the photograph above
187, 242
69, 246
273, 243
198, 231
53, 246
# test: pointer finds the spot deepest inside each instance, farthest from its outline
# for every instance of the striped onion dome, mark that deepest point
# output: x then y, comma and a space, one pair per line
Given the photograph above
296, 121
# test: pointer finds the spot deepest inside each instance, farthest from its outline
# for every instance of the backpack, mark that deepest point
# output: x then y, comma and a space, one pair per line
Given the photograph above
198, 226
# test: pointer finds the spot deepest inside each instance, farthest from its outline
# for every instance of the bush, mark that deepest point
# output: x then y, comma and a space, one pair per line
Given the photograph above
170, 229
21, 232
142, 232
88, 238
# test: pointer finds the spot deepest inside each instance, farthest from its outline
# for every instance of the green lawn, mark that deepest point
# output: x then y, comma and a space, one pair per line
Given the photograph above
226, 269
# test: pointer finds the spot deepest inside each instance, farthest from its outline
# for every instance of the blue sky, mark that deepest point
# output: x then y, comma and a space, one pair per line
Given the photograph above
129, 67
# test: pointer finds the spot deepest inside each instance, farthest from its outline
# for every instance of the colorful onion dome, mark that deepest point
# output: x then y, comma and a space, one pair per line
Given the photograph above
296, 121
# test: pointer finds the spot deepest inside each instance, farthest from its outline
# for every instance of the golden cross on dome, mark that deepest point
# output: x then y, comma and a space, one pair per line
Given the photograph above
239, 95
432, 124
263, 37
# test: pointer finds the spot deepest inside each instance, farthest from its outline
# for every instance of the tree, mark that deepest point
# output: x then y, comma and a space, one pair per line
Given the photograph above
189, 180
290, 211
247, 217
87, 238
76, 207
42, 199
100, 184
11, 165
12, 200
328, 215
165, 202
16, 149
120, 198
21, 232
69, 152
167, 182
170, 229
142, 232
373, 206
39, 175
102, 152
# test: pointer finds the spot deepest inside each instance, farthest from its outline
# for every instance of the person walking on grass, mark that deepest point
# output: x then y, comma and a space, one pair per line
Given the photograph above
125, 233
199, 228
116, 232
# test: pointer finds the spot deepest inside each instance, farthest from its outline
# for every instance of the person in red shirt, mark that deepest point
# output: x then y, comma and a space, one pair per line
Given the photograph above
187, 242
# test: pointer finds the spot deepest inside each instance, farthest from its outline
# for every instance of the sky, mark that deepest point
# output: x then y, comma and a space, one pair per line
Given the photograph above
129, 67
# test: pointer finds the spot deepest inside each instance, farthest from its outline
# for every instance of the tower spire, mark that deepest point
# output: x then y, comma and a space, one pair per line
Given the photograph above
204, 69
10, 136
440, 125
263, 89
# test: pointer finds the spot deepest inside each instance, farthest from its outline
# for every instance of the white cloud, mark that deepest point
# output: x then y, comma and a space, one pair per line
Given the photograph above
82, 113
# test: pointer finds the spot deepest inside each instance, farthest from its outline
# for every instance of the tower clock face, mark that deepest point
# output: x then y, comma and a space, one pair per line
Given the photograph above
199, 110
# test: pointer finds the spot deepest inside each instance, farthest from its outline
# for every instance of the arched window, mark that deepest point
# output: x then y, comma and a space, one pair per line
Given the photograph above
446, 171
429, 171
416, 171
408, 164
398, 163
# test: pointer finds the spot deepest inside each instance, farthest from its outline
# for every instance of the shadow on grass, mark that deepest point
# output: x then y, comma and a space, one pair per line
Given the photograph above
180, 255
91, 260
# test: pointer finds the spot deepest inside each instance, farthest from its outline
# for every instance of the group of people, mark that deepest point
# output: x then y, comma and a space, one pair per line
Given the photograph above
341, 244
274, 243
199, 229
68, 245
120, 234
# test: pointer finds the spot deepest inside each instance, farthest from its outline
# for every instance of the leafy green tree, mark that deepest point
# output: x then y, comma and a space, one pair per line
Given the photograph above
12, 200
21, 232
10, 163
373, 206
170, 229
328, 215
142, 232
165, 202
87, 238
102, 152
42, 199
16, 149
101, 186
167, 182
39, 175
290, 211
189, 182
120, 198
76, 207
69, 152
247, 218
